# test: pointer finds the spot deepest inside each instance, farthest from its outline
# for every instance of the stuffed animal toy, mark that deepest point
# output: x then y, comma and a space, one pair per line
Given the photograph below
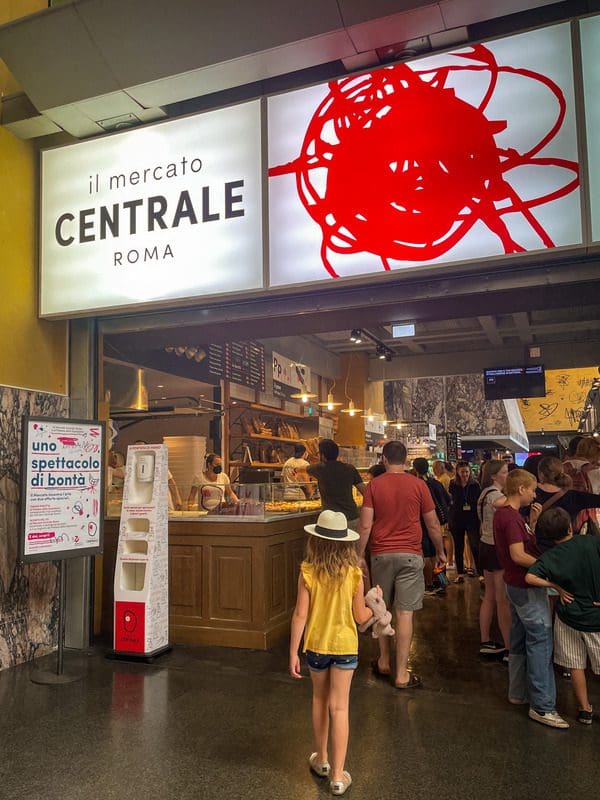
381, 619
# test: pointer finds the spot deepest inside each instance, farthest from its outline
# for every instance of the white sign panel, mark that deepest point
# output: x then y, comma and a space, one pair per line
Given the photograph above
62, 488
166, 212
289, 377
590, 47
461, 156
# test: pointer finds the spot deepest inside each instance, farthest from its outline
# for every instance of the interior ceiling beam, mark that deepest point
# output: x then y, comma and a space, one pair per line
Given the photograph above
488, 325
563, 356
339, 307
521, 319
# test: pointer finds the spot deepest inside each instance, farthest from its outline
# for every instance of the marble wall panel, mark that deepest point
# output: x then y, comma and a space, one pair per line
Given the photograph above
454, 403
28, 593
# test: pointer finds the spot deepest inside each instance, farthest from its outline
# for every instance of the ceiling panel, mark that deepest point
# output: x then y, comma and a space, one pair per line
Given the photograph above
398, 28
145, 40
468, 12
54, 59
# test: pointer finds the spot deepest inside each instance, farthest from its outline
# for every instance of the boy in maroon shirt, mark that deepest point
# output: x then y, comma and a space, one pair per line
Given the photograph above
530, 671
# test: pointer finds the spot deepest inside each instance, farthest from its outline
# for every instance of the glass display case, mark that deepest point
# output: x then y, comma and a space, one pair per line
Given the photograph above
259, 501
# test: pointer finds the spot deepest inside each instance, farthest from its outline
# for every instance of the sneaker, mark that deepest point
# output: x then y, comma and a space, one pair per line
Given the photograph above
339, 787
585, 717
490, 648
505, 656
430, 591
550, 718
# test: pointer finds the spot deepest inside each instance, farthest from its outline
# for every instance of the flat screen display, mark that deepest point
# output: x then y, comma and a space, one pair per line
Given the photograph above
514, 382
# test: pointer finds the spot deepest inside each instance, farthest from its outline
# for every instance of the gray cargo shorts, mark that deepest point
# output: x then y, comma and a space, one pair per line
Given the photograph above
400, 576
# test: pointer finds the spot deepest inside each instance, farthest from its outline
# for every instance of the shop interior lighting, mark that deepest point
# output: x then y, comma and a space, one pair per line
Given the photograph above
330, 403
304, 397
352, 411
369, 416
382, 351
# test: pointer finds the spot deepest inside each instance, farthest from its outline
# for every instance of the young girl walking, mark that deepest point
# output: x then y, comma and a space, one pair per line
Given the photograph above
329, 606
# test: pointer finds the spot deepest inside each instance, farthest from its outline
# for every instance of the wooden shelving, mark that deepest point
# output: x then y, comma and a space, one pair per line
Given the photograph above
269, 438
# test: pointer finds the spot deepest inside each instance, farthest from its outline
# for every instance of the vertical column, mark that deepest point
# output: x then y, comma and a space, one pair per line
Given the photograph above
83, 363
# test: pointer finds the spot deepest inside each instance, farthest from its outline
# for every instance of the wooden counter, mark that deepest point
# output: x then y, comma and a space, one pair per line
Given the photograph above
231, 582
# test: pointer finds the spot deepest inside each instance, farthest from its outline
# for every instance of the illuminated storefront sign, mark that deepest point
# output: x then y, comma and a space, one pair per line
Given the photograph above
165, 212
461, 156
590, 47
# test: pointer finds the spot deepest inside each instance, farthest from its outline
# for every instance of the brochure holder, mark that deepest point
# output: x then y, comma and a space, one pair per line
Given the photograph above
141, 587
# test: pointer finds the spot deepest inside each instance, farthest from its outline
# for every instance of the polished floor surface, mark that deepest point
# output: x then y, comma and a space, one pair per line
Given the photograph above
215, 723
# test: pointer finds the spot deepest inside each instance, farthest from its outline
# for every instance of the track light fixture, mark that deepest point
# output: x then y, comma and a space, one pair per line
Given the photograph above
382, 351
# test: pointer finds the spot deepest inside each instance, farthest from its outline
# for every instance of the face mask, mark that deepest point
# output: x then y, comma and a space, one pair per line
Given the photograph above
217, 470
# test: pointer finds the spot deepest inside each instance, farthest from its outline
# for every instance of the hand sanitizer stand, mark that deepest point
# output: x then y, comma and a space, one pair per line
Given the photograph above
141, 604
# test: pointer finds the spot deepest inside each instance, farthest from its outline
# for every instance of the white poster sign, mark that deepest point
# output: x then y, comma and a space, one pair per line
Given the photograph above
456, 157
289, 377
170, 211
62, 488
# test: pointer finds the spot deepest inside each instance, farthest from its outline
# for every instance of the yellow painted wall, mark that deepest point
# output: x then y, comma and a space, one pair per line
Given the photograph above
566, 392
33, 353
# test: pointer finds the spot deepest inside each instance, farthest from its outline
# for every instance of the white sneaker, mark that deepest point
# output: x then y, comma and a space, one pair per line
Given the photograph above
550, 718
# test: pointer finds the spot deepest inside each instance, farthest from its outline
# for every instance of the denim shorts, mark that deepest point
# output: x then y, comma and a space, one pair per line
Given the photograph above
318, 662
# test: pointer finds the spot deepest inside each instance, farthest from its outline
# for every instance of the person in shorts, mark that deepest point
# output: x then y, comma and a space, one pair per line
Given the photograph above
572, 568
390, 523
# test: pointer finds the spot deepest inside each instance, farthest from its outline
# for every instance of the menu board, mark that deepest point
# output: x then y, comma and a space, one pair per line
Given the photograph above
239, 362
62, 491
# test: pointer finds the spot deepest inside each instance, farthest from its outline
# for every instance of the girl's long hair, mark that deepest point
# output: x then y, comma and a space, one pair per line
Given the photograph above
330, 559
489, 471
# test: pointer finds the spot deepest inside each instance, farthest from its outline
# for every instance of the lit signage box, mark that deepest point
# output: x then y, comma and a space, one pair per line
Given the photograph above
167, 212
590, 47
456, 157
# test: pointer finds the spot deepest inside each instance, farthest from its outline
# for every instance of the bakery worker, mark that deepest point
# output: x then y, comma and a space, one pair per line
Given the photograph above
211, 487
294, 476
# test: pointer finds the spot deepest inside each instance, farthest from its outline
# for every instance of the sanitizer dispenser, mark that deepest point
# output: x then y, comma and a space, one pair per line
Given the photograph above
141, 608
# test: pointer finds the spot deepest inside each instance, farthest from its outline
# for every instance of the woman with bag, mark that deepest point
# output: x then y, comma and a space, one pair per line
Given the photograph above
494, 474
554, 488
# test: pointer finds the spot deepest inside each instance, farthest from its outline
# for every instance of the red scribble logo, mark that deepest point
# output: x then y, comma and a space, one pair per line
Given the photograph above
393, 163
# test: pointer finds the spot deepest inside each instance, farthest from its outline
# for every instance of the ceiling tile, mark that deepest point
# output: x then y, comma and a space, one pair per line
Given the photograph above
54, 59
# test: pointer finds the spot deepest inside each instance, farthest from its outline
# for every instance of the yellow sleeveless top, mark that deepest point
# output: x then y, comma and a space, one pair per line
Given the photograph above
330, 628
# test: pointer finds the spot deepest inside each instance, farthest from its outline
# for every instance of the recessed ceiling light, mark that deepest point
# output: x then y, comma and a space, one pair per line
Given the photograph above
160, 386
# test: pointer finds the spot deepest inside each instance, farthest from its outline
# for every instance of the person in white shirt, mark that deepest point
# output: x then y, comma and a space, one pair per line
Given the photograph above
212, 487
294, 475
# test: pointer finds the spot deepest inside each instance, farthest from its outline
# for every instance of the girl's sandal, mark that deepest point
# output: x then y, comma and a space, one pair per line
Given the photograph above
322, 770
339, 787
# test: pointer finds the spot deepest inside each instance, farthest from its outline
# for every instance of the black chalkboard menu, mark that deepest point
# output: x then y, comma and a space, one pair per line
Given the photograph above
239, 362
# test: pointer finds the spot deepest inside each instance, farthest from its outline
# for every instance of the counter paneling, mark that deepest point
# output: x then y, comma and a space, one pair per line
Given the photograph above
231, 582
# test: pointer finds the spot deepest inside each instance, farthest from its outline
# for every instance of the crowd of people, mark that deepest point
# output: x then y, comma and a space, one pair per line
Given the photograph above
529, 534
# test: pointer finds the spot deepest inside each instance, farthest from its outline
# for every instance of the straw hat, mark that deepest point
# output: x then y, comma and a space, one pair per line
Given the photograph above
332, 525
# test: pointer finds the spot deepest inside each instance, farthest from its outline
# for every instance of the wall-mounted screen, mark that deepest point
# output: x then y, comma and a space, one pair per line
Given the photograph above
514, 382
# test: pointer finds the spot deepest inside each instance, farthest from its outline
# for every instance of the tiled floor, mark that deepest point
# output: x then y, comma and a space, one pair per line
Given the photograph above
212, 723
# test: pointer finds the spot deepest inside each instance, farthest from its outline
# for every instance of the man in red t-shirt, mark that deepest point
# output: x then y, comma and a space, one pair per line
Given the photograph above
390, 523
